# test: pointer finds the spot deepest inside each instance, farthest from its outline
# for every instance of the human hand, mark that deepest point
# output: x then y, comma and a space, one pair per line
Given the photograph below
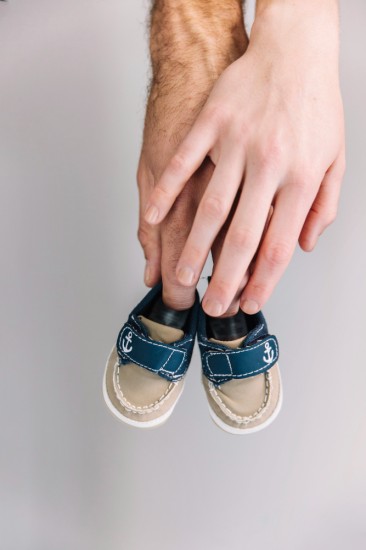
163, 244
273, 125
183, 76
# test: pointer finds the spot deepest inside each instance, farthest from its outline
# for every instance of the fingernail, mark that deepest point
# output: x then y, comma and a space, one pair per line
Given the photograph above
250, 307
147, 275
213, 308
151, 214
185, 275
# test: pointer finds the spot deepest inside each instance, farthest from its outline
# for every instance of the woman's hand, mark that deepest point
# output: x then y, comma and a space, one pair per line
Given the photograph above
273, 126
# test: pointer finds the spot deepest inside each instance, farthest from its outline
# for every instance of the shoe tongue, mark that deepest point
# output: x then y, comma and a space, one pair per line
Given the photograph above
161, 333
161, 313
229, 343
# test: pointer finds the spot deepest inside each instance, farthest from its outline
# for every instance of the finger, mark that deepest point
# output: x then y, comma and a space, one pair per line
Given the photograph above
212, 212
324, 208
148, 236
216, 251
241, 241
186, 160
174, 231
278, 245
266, 225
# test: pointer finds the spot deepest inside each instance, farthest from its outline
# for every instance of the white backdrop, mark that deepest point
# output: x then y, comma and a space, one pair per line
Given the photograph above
73, 78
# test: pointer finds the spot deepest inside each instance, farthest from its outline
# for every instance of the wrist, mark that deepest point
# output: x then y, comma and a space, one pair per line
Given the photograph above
195, 38
273, 8
171, 112
298, 30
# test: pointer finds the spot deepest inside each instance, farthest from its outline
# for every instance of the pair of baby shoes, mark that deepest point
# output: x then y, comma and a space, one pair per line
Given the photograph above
146, 369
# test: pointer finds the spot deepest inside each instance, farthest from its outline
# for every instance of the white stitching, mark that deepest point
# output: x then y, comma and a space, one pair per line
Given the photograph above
162, 368
244, 419
154, 371
136, 406
128, 327
228, 360
249, 348
208, 367
161, 345
146, 409
184, 343
150, 341
251, 416
207, 355
245, 375
257, 330
167, 371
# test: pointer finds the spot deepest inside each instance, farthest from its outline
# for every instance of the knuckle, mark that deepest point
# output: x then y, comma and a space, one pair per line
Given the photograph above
270, 153
221, 289
274, 148
178, 163
316, 209
240, 238
140, 175
258, 290
303, 183
169, 276
139, 179
193, 253
144, 176
277, 253
213, 207
143, 236
162, 194
218, 113
305, 178
139, 172
331, 217
240, 131
142, 181
177, 296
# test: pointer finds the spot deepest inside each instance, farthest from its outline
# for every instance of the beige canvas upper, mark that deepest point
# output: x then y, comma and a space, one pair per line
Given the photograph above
136, 392
247, 402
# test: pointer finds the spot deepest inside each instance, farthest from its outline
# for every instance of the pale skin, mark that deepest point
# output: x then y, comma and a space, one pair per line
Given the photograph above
273, 129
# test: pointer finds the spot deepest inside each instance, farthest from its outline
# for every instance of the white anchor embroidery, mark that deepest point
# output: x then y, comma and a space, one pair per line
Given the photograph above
268, 353
125, 347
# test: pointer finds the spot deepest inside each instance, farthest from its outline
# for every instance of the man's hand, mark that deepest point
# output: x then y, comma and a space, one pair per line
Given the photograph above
273, 126
185, 64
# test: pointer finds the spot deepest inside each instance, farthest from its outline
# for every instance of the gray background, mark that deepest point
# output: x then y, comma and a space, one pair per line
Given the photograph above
73, 76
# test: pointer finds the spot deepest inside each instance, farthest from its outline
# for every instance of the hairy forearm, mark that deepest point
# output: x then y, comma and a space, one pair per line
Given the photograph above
195, 39
191, 43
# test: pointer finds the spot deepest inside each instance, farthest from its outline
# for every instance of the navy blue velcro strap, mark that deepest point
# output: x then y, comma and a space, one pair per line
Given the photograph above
222, 365
134, 347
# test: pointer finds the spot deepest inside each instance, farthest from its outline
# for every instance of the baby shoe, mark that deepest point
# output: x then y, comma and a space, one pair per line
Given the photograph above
145, 371
241, 376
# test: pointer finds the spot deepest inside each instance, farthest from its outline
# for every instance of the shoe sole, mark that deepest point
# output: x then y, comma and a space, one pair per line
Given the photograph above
238, 431
117, 414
